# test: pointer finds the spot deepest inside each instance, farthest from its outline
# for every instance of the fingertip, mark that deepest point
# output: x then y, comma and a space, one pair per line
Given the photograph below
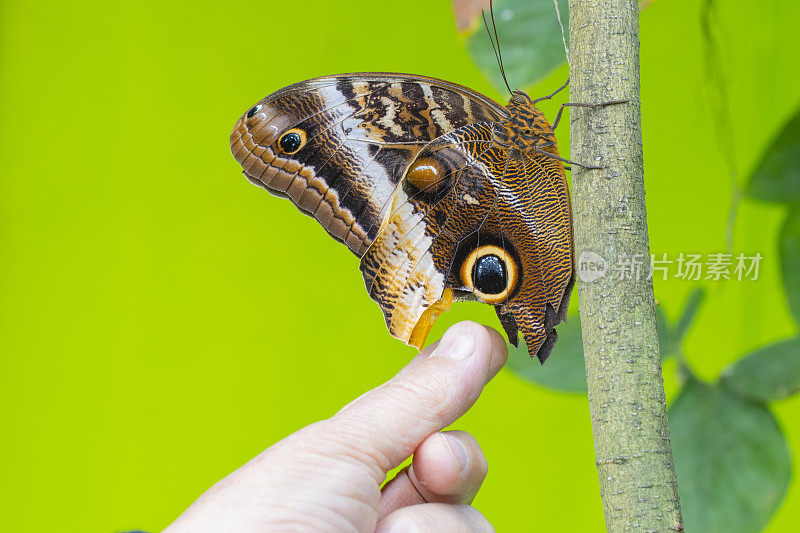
449, 467
460, 341
468, 339
458, 451
438, 466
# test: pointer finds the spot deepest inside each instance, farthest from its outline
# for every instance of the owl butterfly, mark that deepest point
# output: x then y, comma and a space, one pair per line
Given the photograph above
441, 192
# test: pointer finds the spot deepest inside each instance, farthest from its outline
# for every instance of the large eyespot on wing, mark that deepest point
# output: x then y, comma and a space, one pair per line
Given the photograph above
446, 195
338, 145
491, 272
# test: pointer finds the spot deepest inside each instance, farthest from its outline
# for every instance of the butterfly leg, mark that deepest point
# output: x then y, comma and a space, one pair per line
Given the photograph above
548, 154
574, 104
549, 96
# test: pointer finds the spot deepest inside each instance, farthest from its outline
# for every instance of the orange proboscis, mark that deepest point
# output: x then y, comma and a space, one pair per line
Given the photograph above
428, 318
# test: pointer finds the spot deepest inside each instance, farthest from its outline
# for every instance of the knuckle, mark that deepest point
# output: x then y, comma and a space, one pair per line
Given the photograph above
339, 445
425, 395
350, 443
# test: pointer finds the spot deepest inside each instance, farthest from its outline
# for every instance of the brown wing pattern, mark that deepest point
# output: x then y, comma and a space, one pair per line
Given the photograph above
535, 214
338, 145
407, 268
470, 198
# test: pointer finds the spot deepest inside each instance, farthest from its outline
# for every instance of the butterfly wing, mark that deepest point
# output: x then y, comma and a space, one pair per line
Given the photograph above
338, 145
473, 215
536, 215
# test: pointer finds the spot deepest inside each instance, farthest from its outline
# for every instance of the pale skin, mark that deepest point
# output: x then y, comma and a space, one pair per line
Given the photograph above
331, 475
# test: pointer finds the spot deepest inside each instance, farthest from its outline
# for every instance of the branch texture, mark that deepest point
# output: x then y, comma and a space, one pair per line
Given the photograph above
623, 365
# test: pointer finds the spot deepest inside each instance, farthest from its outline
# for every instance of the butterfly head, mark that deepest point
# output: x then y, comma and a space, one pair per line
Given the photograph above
520, 98
527, 127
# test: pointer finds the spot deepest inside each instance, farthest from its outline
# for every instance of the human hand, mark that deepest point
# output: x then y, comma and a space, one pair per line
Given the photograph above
328, 476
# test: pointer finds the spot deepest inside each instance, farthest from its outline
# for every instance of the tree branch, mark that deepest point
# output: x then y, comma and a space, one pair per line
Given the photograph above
623, 365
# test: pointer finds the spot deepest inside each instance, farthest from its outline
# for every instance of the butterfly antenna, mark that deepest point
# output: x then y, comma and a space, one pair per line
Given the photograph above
491, 39
499, 50
496, 53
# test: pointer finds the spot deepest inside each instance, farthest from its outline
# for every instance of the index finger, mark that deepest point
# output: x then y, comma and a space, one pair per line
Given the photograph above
386, 424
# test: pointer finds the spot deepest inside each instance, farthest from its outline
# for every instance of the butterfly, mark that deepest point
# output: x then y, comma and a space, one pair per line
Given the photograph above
442, 193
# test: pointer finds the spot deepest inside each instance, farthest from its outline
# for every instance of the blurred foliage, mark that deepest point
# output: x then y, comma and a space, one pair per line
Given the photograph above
732, 459
564, 370
777, 176
769, 374
525, 26
790, 257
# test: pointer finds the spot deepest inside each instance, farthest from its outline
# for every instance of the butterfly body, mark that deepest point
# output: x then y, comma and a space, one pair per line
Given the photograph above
527, 127
441, 192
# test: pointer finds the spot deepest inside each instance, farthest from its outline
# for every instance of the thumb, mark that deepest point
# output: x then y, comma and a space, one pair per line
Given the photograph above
388, 423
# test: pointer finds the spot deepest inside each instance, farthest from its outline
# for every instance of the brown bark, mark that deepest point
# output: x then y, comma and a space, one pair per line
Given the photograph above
623, 365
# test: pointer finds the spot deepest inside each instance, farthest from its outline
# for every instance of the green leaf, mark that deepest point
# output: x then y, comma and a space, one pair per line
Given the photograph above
777, 176
564, 370
530, 41
732, 460
666, 341
771, 373
671, 336
790, 260
689, 314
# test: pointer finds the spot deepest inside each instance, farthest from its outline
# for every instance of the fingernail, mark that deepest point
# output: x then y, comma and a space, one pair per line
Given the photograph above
455, 344
459, 452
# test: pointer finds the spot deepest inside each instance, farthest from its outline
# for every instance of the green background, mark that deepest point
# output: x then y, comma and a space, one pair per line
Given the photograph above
162, 320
